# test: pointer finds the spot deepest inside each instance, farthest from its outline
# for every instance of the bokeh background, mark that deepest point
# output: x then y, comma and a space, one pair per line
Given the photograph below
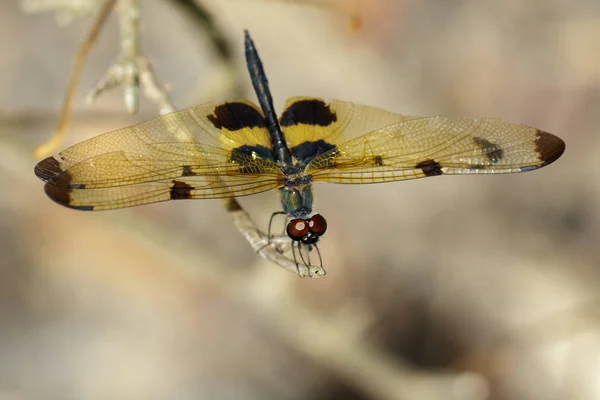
449, 288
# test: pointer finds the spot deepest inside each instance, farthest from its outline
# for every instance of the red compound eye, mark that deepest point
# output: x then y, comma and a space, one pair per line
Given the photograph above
317, 224
297, 229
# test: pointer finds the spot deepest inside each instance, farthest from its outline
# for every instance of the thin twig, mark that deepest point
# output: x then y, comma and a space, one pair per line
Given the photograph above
80, 58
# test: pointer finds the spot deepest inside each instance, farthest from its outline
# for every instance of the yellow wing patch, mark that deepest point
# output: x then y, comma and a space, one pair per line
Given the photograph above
309, 119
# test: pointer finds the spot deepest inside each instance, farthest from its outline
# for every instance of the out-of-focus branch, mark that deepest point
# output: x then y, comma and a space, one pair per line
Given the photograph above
65, 115
201, 18
225, 76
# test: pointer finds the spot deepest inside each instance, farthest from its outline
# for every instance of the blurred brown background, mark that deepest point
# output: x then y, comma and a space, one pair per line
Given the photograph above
448, 288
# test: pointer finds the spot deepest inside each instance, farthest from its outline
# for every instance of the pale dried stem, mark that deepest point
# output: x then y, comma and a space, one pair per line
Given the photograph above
131, 68
80, 58
153, 89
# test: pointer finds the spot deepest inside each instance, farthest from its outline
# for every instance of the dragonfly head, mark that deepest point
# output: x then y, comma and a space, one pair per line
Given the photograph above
307, 230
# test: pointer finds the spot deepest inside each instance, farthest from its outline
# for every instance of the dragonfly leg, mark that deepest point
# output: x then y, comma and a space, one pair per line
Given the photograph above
295, 260
269, 236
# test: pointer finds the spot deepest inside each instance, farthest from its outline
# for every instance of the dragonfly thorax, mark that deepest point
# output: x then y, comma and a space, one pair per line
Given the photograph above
297, 200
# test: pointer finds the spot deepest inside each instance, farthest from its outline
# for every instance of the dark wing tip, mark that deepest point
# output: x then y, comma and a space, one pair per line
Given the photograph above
548, 147
47, 169
58, 186
62, 196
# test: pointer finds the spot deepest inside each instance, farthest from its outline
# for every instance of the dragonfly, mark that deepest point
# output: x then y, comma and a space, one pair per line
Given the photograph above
236, 148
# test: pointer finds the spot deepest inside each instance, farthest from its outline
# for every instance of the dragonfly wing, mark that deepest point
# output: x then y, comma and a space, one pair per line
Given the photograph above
208, 151
437, 146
